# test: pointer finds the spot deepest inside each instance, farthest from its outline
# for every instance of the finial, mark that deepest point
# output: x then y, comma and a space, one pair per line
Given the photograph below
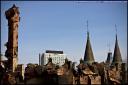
116, 28
87, 25
116, 31
87, 29
14, 6
109, 47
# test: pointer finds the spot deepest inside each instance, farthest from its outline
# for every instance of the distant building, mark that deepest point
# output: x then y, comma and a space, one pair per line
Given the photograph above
58, 57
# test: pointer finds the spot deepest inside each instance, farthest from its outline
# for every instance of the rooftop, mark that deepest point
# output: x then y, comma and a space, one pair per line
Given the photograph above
53, 51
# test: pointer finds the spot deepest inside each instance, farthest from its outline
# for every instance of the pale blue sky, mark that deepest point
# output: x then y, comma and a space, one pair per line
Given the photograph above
61, 25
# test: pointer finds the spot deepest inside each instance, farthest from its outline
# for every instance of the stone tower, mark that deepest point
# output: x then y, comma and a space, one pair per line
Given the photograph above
117, 59
12, 15
88, 56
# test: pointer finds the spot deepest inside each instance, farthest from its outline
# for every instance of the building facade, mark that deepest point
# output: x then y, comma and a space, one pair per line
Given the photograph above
58, 57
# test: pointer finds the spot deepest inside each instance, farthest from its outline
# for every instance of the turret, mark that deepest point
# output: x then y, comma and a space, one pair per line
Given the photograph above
88, 56
117, 59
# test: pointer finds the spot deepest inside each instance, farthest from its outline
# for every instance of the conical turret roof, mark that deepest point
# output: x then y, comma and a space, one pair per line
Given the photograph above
88, 56
117, 55
109, 58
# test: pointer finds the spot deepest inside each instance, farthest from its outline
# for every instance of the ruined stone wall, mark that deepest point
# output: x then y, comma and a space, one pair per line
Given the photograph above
84, 80
95, 79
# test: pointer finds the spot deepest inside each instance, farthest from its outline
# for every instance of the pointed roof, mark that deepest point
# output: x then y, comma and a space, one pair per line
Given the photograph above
109, 58
117, 55
88, 56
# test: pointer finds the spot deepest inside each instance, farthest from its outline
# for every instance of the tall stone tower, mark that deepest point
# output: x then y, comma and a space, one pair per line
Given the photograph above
12, 15
88, 56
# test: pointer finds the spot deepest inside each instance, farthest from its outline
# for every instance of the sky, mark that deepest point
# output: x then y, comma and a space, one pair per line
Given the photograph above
61, 25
